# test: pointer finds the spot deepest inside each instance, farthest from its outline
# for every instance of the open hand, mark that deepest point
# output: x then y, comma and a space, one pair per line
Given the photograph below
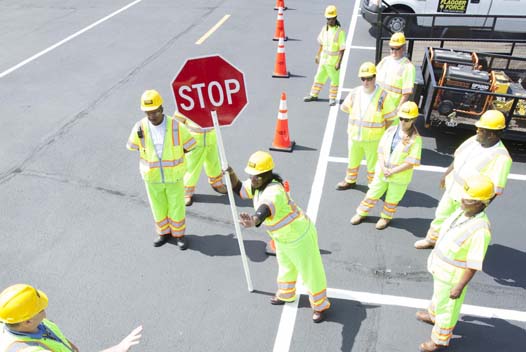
246, 220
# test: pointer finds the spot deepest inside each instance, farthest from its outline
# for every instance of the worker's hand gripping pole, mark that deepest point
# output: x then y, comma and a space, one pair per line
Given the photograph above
224, 166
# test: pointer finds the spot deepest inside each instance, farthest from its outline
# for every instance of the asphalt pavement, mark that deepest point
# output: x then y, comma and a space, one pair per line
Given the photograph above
76, 221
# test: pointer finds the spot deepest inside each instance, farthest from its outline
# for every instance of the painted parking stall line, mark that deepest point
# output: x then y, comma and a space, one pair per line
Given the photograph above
429, 168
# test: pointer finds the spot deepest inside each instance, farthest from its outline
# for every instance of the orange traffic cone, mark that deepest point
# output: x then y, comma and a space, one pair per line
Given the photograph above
280, 3
280, 67
280, 26
282, 140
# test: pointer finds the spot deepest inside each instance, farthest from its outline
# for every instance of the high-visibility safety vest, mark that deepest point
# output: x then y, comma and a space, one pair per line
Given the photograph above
287, 222
406, 151
396, 76
471, 158
371, 125
202, 136
10, 342
170, 168
332, 39
462, 244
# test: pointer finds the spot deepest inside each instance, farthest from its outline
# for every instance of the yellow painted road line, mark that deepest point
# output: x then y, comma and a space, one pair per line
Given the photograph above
212, 30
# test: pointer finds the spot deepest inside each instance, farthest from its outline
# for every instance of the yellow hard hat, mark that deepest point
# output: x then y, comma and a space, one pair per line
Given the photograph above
408, 110
21, 302
492, 120
367, 69
331, 12
478, 187
151, 100
397, 40
259, 162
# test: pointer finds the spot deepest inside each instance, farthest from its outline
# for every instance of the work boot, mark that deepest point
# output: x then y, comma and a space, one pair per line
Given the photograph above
357, 219
220, 189
424, 244
318, 317
162, 239
309, 98
430, 346
181, 242
275, 301
188, 201
344, 185
424, 317
332, 102
382, 223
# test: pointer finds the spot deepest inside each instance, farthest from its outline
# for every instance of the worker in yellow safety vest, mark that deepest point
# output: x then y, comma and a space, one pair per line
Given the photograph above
24, 326
204, 154
329, 56
484, 154
458, 255
399, 152
396, 73
371, 112
295, 236
162, 143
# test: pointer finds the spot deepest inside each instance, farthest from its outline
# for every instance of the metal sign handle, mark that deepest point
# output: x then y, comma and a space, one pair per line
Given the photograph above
224, 166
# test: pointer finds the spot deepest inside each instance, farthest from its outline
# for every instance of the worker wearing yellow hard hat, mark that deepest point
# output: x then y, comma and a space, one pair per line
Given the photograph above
24, 326
396, 73
329, 56
371, 111
459, 253
295, 235
483, 154
399, 152
162, 143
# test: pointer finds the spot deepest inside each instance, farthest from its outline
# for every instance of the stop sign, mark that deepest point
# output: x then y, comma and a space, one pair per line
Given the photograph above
209, 83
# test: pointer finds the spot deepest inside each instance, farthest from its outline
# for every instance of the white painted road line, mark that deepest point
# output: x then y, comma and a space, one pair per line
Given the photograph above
374, 298
212, 30
288, 315
430, 168
363, 47
63, 41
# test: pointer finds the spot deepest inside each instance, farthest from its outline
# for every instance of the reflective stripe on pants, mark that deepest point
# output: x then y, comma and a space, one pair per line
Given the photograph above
445, 208
324, 72
167, 204
357, 150
395, 193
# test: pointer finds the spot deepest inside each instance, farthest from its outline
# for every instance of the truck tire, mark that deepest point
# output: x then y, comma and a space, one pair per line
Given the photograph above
397, 22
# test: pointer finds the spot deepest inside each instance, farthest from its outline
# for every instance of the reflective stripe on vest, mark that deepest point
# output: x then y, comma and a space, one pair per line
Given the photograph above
334, 41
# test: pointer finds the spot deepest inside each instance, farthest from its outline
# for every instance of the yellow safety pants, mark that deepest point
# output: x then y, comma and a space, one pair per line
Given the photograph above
302, 256
169, 211
324, 72
357, 150
377, 188
444, 311
445, 208
204, 154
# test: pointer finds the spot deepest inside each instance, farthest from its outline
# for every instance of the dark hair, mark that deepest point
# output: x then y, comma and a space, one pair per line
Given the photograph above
337, 24
277, 178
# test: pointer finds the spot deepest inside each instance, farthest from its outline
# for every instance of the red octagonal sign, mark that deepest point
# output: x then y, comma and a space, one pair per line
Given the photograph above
209, 83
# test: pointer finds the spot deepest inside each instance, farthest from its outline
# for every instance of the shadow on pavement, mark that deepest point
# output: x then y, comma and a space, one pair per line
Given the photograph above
506, 265
418, 199
487, 334
225, 246
220, 199
416, 226
349, 314
432, 157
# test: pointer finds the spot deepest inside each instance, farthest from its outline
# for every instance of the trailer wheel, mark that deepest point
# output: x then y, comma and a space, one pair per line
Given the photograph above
445, 107
397, 22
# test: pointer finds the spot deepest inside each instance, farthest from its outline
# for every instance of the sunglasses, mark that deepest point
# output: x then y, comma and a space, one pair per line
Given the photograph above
404, 120
367, 78
396, 49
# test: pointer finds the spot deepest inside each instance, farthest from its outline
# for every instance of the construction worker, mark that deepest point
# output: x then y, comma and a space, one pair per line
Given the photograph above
329, 56
370, 113
396, 73
484, 154
204, 154
162, 166
24, 326
398, 153
458, 255
295, 236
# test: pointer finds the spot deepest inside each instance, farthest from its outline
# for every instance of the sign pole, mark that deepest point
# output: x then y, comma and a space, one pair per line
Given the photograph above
224, 166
